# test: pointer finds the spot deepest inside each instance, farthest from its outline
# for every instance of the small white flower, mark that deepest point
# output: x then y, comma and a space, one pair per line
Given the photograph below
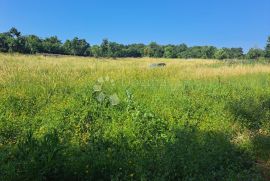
101, 96
97, 88
114, 100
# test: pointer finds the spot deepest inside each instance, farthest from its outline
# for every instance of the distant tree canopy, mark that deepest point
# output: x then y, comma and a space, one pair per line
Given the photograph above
13, 41
76, 46
255, 53
52, 45
267, 48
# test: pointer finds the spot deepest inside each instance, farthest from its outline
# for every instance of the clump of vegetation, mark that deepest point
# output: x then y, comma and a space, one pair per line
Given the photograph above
83, 119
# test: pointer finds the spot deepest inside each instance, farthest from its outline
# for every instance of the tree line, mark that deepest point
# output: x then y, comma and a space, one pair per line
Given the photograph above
14, 41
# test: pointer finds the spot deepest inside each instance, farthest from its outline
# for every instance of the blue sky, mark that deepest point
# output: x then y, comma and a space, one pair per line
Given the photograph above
223, 23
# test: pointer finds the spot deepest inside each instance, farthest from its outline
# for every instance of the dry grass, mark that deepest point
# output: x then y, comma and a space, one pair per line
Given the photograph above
175, 69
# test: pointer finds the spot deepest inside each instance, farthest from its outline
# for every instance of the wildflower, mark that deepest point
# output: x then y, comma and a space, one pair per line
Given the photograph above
101, 80
101, 96
97, 88
114, 100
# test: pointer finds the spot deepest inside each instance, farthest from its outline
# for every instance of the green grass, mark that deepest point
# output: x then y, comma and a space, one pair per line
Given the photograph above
192, 120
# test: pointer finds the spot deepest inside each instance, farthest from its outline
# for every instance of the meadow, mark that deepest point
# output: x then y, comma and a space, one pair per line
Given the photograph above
79, 118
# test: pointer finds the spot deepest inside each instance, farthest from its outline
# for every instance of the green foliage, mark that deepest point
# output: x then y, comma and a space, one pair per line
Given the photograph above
115, 50
252, 113
33, 44
13, 41
221, 54
39, 159
4, 42
96, 51
209, 52
154, 50
134, 50
255, 53
14, 32
52, 45
267, 48
229, 53
170, 52
104, 48
76, 46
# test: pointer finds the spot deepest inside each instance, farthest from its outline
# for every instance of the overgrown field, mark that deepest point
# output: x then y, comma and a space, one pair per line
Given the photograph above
69, 118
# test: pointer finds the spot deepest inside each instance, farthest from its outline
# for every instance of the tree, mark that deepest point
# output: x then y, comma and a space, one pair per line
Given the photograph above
33, 44
79, 46
154, 50
104, 47
181, 50
194, 52
170, 52
134, 50
76, 47
115, 50
255, 53
205, 52
4, 47
88, 52
221, 54
67, 47
208, 52
52, 45
14, 32
96, 51
267, 48
21, 45
236, 53
15, 42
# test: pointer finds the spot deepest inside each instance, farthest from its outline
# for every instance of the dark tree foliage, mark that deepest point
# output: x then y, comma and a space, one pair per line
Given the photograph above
255, 53
267, 48
170, 51
14, 32
181, 50
76, 47
13, 41
52, 45
33, 44
236, 53
154, 50
135, 50
96, 51
4, 46
233, 53
104, 48
115, 50
222, 54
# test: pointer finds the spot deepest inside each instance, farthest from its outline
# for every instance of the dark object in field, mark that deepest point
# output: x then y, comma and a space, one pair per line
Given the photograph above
157, 65
50, 55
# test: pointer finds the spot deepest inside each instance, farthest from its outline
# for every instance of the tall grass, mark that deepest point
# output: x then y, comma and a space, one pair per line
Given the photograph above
71, 118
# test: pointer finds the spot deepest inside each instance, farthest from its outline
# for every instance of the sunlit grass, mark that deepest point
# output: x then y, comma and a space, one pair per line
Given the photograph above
222, 107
